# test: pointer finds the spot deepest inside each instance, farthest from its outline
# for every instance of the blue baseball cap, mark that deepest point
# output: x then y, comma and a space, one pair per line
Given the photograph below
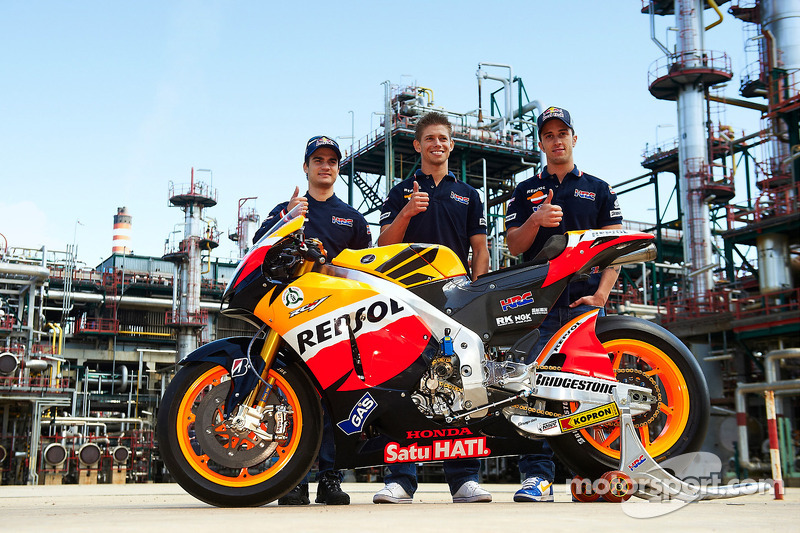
321, 141
551, 113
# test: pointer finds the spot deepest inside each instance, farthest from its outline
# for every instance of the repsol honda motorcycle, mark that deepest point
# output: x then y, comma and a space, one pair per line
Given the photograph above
414, 362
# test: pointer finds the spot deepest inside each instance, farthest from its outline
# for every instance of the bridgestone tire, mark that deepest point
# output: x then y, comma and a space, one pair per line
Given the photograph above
229, 485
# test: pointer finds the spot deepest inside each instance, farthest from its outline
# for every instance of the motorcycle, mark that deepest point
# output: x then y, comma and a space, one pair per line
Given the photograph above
414, 362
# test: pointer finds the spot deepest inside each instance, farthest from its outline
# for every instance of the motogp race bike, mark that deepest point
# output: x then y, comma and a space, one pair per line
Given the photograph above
414, 362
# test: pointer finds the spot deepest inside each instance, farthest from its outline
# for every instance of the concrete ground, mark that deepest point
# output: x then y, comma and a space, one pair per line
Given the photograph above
146, 508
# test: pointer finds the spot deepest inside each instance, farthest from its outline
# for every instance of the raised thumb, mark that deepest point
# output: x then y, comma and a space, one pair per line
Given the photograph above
296, 192
416, 186
549, 196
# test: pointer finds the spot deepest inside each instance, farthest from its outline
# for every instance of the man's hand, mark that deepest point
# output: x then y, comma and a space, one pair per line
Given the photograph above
297, 200
417, 203
593, 300
548, 215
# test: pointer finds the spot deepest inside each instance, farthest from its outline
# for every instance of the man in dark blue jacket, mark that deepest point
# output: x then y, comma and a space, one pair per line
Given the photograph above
434, 207
337, 226
560, 198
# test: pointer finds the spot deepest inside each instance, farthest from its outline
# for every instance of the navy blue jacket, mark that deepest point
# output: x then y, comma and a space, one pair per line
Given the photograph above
333, 222
454, 214
587, 202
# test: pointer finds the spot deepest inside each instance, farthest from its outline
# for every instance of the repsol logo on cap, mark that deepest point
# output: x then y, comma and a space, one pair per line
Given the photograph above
372, 314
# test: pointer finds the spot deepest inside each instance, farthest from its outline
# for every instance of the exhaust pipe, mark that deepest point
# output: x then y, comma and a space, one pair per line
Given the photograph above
646, 254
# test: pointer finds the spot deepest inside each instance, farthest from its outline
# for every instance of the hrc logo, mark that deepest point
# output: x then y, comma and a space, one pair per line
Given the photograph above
460, 199
342, 221
585, 195
637, 463
516, 301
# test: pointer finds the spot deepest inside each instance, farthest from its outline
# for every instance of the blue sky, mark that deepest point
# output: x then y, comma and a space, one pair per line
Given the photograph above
103, 103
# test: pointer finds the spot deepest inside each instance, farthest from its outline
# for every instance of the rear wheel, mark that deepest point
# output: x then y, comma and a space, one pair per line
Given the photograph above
643, 354
230, 468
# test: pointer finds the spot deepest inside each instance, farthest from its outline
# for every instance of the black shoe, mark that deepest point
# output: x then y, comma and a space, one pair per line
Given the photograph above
296, 496
329, 490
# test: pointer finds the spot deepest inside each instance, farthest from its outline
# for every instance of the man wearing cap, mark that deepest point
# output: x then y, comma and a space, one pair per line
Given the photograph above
434, 207
337, 226
560, 198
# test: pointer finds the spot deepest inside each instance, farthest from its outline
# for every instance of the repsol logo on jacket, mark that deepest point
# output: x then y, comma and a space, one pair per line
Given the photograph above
329, 329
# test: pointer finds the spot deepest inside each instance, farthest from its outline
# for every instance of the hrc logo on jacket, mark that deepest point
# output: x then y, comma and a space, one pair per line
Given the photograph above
342, 221
585, 195
460, 199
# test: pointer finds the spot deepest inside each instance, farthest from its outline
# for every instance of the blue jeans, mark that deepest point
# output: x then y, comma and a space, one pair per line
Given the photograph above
539, 463
456, 472
327, 451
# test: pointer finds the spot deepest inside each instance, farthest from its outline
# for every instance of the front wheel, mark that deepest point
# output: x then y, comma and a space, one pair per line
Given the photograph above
229, 468
643, 354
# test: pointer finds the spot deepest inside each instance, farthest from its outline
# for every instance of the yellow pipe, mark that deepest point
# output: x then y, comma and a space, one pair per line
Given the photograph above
425, 90
715, 7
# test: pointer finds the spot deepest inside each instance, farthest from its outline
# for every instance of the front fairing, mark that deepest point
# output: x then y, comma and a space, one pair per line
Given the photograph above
248, 285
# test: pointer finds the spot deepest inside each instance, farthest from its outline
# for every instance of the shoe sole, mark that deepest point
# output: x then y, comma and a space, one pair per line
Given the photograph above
483, 498
533, 499
340, 501
390, 499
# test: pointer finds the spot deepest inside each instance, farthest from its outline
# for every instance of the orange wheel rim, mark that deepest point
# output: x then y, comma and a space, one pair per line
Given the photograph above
673, 411
227, 476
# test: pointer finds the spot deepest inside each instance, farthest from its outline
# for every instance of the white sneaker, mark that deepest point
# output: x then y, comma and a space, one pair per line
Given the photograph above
471, 492
392, 493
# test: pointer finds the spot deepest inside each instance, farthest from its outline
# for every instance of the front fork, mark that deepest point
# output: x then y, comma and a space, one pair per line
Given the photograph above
269, 351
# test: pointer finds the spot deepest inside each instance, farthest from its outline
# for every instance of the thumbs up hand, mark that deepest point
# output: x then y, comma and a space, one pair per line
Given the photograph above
549, 215
417, 202
297, 200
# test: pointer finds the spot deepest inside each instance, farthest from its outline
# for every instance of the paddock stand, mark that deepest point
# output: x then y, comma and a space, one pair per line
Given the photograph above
652, 482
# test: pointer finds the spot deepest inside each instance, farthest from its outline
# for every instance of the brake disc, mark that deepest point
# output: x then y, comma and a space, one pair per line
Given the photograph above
222, 444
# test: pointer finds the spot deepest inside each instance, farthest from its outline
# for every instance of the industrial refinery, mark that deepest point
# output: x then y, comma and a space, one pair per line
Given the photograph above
86, 353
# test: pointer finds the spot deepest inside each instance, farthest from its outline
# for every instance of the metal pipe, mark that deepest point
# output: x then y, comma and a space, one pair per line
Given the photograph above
715, 7
774, 451
130, 301
95, 421
38, 272
653, 37
741, 411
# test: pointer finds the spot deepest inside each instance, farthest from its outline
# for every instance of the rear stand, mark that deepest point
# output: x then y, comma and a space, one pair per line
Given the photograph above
653, 482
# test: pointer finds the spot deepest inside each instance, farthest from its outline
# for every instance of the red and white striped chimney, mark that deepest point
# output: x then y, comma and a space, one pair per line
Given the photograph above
122, 232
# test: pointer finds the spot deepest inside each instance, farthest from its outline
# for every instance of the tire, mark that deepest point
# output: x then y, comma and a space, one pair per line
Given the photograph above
679, 424
226, 469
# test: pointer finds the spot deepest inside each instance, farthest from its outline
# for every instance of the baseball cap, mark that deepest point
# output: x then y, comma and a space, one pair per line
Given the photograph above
321, 141
554, 112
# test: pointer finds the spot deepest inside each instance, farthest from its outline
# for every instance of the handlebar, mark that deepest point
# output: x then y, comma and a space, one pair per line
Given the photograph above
313, 252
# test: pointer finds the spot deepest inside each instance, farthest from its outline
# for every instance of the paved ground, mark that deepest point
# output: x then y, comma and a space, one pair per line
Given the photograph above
166, 508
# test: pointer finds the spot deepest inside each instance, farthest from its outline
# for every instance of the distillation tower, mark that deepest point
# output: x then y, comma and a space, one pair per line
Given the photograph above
198, 235
247, 223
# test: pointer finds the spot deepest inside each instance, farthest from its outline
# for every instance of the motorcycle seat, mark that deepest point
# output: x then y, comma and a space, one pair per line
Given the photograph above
554, 246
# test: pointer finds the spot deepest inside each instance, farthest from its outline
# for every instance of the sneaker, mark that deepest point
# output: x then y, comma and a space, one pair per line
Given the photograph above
471, 492
535, 489
329, 490
296, 496
392, 493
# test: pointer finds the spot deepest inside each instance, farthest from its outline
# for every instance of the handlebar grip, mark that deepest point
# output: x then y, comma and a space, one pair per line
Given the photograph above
312, 253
